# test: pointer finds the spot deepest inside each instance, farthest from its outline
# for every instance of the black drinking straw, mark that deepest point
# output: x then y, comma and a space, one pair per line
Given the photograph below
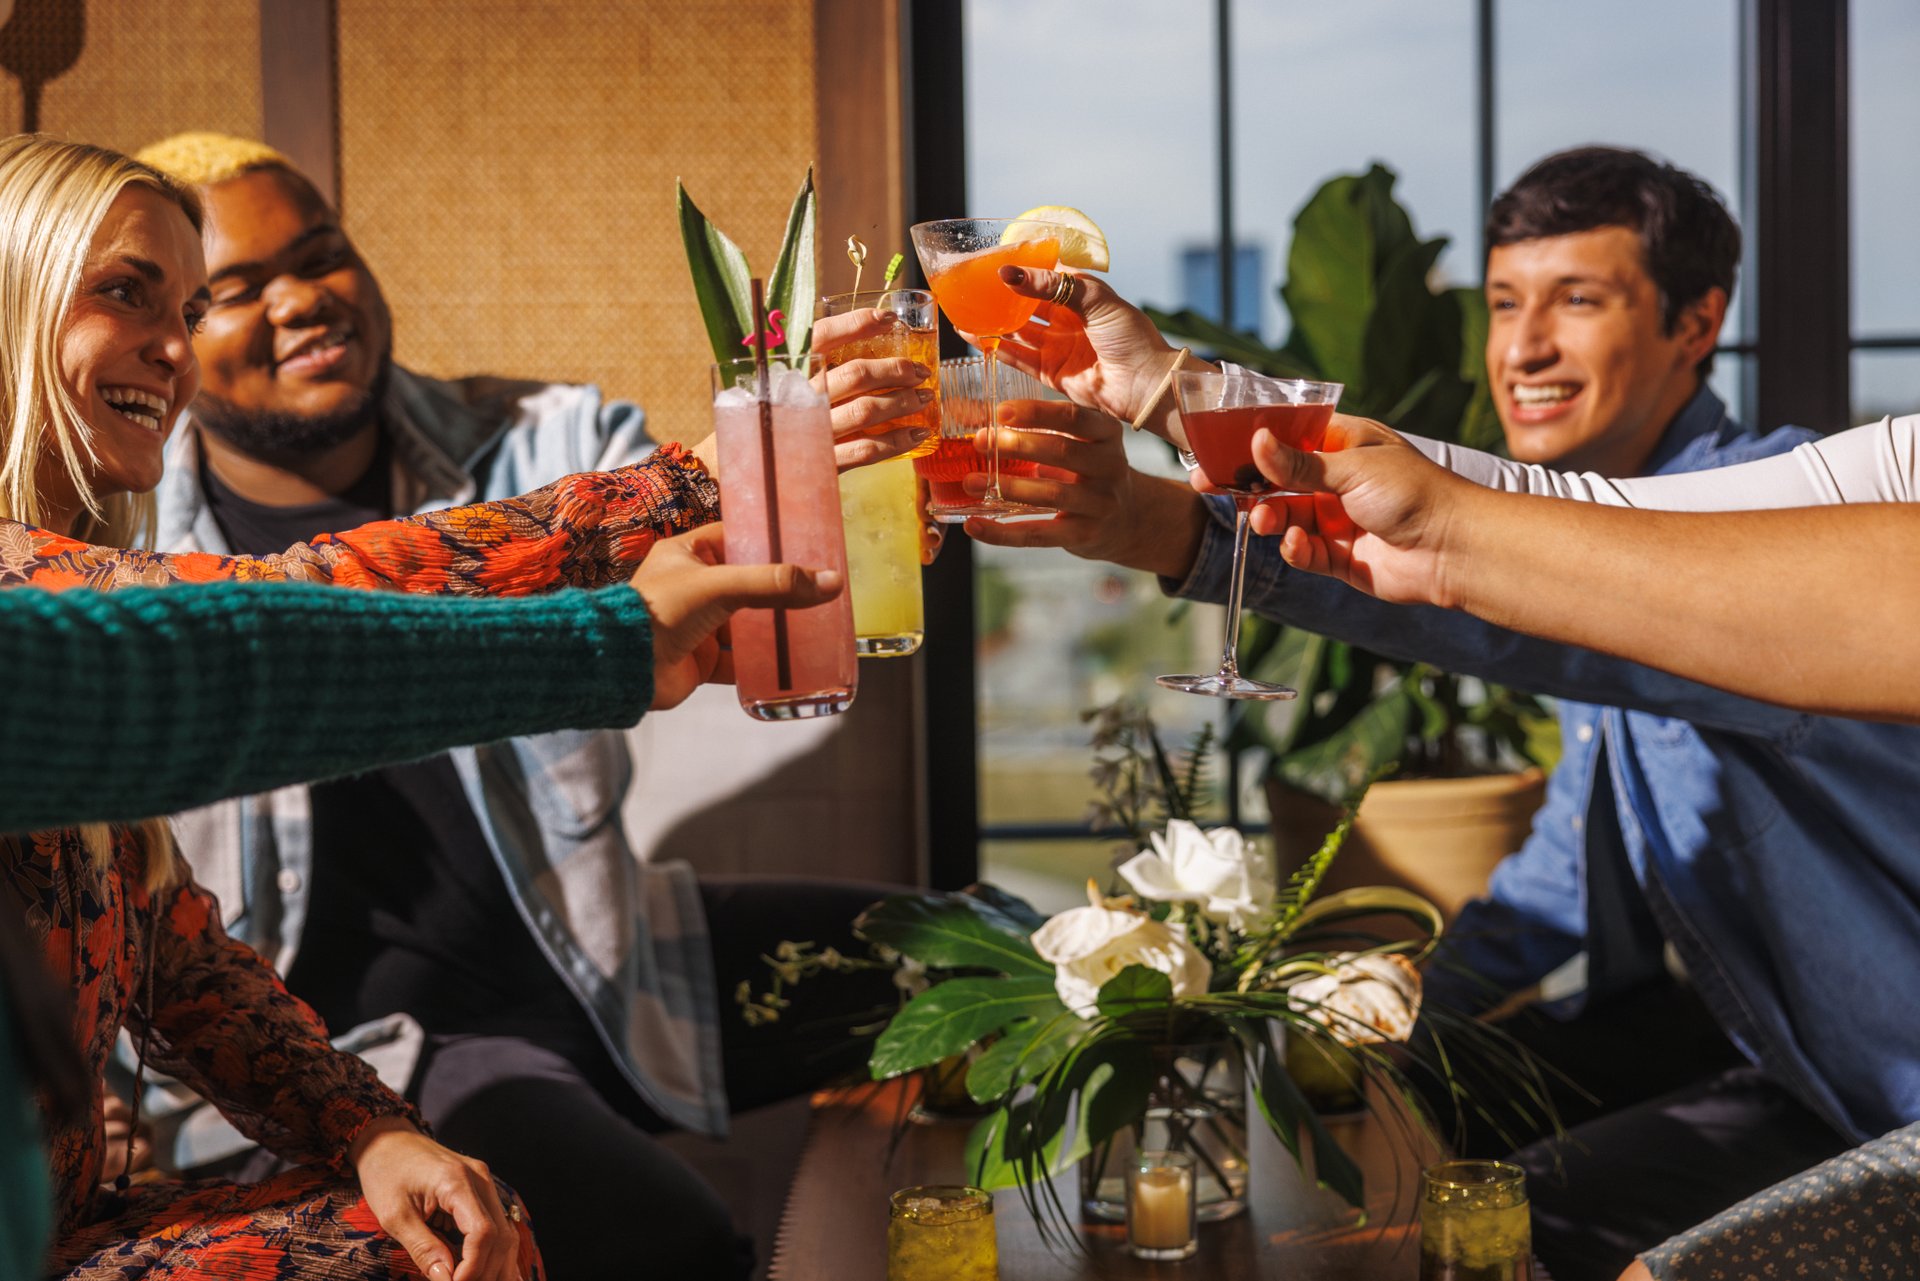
763, 391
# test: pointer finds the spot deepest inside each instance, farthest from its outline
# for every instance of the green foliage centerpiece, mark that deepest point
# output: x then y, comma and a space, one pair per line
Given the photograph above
1138, 1019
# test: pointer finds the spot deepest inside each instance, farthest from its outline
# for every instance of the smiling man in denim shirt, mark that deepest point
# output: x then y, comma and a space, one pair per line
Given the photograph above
1770, 854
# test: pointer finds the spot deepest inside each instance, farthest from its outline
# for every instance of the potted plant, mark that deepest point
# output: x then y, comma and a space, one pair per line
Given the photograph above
1465, 756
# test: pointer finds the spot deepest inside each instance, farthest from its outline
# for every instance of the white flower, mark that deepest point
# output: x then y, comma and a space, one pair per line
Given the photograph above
1366, 998
1230, 879
1089, 945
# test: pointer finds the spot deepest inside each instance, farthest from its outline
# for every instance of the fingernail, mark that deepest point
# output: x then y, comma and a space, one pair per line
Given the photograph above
1003, 414
920, 370
919, 434
925, 394
441, 1270
1014, 275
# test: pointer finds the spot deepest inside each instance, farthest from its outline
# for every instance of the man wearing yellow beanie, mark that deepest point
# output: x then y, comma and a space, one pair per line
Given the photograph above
475, 925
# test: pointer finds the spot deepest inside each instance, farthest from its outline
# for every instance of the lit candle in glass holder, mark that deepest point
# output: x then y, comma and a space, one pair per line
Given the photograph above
1161, 1207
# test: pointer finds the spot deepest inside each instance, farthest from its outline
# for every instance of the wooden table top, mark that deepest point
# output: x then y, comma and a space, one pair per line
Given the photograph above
835, 1224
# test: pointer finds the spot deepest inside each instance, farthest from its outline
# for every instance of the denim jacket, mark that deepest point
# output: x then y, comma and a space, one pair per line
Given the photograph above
1777, 852
627, 938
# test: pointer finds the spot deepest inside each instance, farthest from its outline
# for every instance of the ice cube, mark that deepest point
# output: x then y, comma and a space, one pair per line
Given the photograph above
791, 389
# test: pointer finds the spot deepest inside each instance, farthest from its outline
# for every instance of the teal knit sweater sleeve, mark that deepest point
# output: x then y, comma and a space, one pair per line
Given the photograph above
149, 701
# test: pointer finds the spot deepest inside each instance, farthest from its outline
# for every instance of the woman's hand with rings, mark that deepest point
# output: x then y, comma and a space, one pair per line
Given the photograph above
1087, 341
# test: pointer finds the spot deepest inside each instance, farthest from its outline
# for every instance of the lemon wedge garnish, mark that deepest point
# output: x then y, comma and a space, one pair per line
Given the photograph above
1082, 243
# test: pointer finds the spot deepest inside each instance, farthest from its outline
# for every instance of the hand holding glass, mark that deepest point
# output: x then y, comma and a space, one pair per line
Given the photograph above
779, 488
962, 258
1221, 413
879, 503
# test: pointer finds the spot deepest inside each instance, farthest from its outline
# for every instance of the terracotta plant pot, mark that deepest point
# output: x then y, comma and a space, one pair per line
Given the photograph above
1439, 837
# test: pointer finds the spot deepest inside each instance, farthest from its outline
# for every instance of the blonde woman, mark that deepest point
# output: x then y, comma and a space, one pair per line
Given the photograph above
103, 283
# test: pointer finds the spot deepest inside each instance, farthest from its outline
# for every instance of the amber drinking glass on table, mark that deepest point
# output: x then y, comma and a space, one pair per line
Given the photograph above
879, 503
1474, 1223
1221, 413
962, 258
781, 497
941, 1233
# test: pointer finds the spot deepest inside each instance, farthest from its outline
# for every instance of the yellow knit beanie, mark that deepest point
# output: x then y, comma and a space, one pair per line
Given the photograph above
202, 159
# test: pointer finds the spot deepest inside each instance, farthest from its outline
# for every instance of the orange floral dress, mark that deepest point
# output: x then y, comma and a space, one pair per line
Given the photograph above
212, 1013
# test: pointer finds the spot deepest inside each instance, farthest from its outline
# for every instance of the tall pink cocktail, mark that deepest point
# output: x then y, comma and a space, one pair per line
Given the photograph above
780, 500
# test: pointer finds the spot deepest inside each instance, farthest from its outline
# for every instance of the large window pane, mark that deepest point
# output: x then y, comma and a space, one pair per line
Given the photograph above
1324, 89
1885, 112
1885, 382
1652, 74
1106, 105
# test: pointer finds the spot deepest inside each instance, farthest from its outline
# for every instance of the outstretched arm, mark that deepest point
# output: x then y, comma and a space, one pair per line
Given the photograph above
147, 702
1776, 605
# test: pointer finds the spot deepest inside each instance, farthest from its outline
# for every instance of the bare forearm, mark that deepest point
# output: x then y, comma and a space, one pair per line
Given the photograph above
1817, 609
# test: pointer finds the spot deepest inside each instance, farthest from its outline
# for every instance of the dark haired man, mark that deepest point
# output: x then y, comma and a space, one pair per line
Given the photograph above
1684, 828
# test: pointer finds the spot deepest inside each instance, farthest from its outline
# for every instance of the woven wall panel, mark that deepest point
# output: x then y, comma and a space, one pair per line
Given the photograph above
508, 169
140, 70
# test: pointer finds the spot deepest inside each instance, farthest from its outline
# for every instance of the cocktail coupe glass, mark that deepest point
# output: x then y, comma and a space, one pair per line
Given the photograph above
1221, 413
962, 258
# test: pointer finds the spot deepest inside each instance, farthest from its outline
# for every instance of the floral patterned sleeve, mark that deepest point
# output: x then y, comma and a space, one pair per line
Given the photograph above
226, 1026
589, 530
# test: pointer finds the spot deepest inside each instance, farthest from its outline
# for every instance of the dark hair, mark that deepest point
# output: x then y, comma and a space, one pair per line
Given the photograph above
1690, 241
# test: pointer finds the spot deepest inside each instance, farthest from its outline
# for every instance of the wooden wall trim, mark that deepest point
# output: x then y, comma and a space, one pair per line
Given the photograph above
862, 156
299, 87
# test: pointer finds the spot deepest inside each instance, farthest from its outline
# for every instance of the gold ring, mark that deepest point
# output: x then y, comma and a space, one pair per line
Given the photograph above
513, 1212
1063, 289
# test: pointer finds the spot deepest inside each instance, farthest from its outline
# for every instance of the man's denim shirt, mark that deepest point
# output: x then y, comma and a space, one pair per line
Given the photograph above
628, 938
1779, 853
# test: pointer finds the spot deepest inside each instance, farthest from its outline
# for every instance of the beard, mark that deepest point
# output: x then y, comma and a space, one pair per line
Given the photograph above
274, 434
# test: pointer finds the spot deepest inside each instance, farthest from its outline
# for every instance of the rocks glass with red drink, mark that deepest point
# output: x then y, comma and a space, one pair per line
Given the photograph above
1221, 413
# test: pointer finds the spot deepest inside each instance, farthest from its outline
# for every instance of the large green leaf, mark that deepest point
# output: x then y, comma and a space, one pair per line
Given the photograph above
1334, 766
1479, 426
792, 288
1288, 1112
948, 1017
721, 279
1100, 1087
1134, 989
1024, 915
1024, 1051
951, 932
1208, 335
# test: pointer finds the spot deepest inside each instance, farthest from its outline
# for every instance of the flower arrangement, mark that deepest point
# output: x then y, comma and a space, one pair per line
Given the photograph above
1144, 1008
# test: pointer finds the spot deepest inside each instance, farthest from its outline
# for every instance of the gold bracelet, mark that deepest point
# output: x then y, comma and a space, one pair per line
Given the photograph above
1153, 401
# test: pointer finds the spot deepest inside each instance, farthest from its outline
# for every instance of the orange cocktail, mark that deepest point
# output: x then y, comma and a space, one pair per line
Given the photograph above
977, 301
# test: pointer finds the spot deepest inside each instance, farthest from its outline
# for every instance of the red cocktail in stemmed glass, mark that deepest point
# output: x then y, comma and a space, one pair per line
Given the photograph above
1221, 413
